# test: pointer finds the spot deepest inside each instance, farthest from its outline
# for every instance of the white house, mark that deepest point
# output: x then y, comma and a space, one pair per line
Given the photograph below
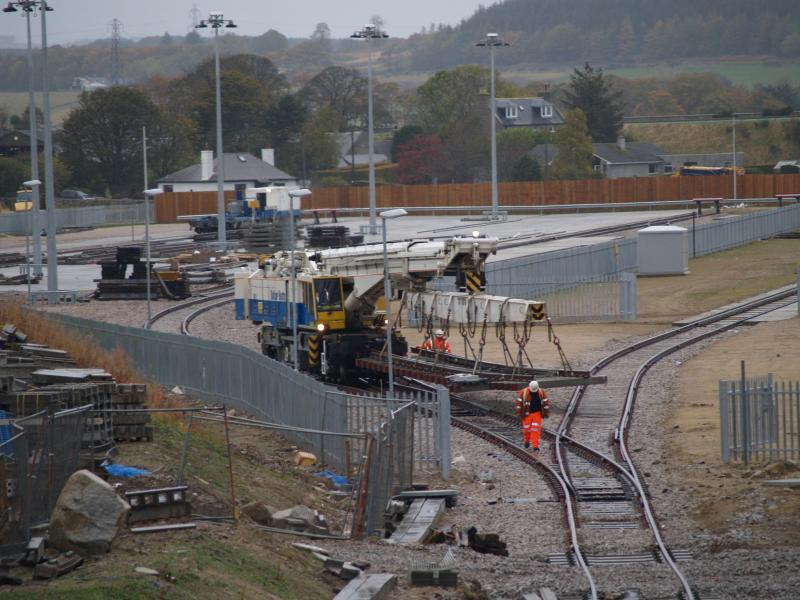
242, 171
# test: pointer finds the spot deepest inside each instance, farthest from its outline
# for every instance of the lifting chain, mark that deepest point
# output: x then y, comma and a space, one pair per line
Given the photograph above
500, 333
481, 342
522, 340
419, 313
462, 329
552, 337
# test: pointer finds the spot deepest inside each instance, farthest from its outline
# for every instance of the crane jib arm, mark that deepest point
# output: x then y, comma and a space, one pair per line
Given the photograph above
461, 307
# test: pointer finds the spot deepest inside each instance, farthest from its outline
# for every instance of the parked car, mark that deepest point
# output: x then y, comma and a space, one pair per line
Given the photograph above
75, 195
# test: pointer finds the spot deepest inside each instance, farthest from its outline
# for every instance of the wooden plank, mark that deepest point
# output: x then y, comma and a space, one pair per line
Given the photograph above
369, 587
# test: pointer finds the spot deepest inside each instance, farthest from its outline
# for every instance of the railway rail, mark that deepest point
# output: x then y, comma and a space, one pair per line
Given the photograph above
587, 463
204, 303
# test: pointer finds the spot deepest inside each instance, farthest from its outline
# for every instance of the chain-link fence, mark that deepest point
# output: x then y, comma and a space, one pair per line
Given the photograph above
34, 466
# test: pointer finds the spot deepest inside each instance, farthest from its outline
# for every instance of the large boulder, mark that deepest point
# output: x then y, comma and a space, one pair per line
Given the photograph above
300, 518
259, 512
87, 516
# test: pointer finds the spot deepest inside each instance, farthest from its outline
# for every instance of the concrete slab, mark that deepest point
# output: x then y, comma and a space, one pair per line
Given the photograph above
370, 587
418, 521
529, 225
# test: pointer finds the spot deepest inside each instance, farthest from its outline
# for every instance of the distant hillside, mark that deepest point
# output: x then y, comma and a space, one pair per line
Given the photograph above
618, 32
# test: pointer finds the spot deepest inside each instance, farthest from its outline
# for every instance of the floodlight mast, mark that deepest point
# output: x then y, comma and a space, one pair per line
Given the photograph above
369, 33
493, 40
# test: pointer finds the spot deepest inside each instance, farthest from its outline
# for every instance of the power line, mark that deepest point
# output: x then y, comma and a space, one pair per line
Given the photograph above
115, 27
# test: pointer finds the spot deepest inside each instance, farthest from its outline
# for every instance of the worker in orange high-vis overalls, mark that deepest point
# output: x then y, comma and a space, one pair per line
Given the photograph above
438, 344
531, 403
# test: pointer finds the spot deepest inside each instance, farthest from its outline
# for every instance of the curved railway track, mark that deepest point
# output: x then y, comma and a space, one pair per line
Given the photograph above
203, 304
587, 463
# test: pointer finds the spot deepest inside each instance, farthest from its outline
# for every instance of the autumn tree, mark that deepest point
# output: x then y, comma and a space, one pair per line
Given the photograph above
574, 158
599, 102
423, 159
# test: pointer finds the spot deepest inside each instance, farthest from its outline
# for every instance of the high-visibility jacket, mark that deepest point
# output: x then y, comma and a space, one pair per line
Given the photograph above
439, 344
530, 402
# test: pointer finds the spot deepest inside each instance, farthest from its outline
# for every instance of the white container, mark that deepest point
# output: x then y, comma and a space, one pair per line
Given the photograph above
663, 250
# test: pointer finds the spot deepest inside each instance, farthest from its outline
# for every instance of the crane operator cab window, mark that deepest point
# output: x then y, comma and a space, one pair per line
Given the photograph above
329, 294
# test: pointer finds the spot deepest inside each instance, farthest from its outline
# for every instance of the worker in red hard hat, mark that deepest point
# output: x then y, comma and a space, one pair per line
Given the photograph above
439, 343
532, 404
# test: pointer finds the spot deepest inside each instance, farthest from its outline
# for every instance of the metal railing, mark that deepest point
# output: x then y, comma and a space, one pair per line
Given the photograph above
35, 464
82, 216
231, 374
759, 419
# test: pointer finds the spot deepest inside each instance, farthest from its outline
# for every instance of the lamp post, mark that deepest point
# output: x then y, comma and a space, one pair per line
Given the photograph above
733, 123
215, 20
52, 261
34, 185
300, 193
148, 194
28, 6
369, 33
492, 40
388, 214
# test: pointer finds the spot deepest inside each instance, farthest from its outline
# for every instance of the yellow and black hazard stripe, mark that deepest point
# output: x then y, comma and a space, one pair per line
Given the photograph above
537, 312
475, 281
314, 343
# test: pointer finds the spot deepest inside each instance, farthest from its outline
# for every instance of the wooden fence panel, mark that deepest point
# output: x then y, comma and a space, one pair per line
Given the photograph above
527, 193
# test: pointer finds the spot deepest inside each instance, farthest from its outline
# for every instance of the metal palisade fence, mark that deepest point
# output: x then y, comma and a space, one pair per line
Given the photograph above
759, 419
241, 378
738, 230
79, 216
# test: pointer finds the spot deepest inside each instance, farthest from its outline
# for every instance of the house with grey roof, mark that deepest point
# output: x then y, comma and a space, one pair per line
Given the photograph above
615, 160
354, 149
242, 171
533, 113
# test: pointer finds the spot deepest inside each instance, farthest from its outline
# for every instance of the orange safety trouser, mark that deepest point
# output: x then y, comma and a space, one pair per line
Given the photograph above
532, 428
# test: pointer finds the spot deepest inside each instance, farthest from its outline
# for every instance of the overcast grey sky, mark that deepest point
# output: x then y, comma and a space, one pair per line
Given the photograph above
74, 20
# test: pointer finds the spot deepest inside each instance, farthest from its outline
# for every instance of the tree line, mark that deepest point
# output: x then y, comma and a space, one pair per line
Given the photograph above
440, 131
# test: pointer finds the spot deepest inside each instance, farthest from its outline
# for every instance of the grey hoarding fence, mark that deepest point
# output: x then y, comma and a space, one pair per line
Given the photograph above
759, 419
83, 216
34, 467
230, 374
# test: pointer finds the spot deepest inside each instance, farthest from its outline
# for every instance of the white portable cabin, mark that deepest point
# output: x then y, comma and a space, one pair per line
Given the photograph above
663, 250
277, 197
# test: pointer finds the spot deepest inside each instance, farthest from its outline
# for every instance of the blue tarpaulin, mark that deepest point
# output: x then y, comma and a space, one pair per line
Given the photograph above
125, 471
338, 480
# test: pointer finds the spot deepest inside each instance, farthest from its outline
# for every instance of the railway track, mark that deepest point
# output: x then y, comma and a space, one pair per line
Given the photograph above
209, 300
612, 531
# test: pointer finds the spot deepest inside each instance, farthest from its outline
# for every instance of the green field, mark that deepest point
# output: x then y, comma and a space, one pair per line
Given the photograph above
60, 103
739, 73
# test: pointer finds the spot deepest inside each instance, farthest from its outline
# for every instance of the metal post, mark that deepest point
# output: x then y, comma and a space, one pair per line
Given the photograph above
443, 414
371, 140
494, 136
28, 234
49, 188
146, 221
234, 508
387, 299
34, 139
724, 421
220, 153
293, 304
744, 418
734, 157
